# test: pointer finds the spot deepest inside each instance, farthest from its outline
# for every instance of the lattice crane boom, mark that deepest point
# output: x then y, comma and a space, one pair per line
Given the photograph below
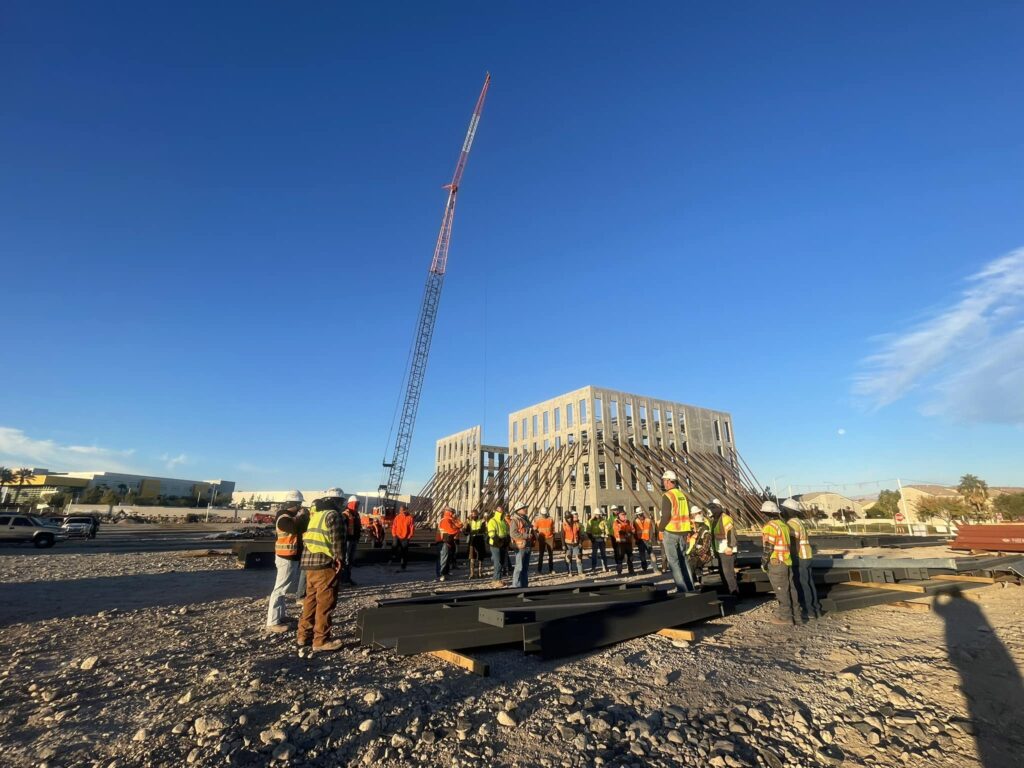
395, 469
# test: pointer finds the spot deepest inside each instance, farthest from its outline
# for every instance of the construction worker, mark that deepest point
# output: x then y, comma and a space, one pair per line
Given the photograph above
571, 538
323, 553
778, 564
476, 544
622, 540
521, 531
800, 550
402, 529
545, 529
287, 554
723, 531
597, 532
448, 529
353, 530
675, 529
497, 539
698, 545
506, 562
377, 532
642, 537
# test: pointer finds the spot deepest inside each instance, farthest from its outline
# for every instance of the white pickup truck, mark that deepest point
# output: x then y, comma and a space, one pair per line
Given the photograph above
28, 528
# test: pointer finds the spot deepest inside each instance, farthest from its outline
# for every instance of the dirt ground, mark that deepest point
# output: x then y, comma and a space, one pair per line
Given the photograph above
184, 674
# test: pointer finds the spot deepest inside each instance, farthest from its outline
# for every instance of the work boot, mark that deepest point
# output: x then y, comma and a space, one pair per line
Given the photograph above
780, 621
330, 645
277, 629
304, 650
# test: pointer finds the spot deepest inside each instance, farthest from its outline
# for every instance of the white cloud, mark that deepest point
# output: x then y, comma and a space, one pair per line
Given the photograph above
840, 431
969, 360
174, 461
18, 449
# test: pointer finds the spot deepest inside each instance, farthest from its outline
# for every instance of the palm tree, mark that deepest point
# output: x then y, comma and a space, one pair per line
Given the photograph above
975, 492
122, 490
22, 475
6, 478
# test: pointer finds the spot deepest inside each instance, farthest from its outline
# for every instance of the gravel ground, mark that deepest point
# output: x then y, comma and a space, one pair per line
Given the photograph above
160, 659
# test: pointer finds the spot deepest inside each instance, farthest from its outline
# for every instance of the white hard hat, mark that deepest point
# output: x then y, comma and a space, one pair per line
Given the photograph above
793, 504
353, 498
714, 503
334, 493
293, 497
520, 505
695, 510
698, 517
770, 507
668, 474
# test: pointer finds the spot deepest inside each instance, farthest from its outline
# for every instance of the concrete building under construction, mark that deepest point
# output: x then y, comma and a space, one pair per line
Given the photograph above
593, 448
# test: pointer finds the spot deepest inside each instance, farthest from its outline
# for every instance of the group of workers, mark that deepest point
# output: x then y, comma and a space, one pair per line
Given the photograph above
315, 550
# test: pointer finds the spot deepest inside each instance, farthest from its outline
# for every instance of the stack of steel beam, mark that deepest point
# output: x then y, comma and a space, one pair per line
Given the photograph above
553, 621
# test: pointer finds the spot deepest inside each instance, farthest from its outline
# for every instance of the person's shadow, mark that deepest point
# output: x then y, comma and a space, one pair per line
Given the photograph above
989, 679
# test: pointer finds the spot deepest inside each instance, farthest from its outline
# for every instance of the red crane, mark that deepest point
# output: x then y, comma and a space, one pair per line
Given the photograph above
394, 470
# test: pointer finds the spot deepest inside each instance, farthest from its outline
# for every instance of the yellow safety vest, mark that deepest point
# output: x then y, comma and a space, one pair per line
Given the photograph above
596, 529
497, 528
317, 538
721, 530
679, 522
776, 534
476, 527
803, 550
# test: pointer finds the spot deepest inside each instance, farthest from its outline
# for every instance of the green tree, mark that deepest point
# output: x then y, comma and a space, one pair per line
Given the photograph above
92, 495
22, 475
975, 493
57, 500
109, 497
1010, 506
888, 505
6, 478
122, 491
946, 507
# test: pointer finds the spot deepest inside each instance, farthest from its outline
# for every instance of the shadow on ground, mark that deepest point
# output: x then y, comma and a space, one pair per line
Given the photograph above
990, 681
40, 600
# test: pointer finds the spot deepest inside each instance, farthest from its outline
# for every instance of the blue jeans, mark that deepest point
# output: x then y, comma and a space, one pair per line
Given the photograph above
447, 559
496, 559
290, 581
573, 554
521, 575
675, 553
597, 545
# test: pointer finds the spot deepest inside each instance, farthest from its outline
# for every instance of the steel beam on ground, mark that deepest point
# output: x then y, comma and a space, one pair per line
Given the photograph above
476, 594
506, 617
578, 634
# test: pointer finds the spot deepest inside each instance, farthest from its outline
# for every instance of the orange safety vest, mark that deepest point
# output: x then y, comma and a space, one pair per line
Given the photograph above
679, 522
622, 530
449, 526
545, 526
287, 544
775, 534
642, 528
350, 522
571, 533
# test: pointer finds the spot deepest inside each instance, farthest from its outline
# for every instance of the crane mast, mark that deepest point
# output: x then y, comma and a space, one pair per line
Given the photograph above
395, 469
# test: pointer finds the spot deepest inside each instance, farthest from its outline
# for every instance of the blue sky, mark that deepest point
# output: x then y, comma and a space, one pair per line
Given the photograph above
216, 221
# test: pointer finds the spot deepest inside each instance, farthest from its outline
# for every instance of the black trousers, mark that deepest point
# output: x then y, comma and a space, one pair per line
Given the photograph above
401, 551
623, 551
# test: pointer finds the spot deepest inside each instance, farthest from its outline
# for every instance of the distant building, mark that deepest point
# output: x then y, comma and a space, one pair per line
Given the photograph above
475, 471
44, 483
829, 502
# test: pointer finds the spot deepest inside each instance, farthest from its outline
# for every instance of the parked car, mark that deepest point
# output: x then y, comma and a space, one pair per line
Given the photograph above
28, 528
82, 526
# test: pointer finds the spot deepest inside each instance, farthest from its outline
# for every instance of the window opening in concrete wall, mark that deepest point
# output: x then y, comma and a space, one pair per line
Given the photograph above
558, 419
602, 480
558, 442
586, 474
668, 419
545, 422
523, 430
586, 510
718, 431
571, 438
682, 422
645, 441
628, 406
568, 415
672, 445
618, 477
583, 435
515, 432
656, 412
613, 412
634, 482
643, 417
547, 444
533, 424
583, 411
728, 432
598, 409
